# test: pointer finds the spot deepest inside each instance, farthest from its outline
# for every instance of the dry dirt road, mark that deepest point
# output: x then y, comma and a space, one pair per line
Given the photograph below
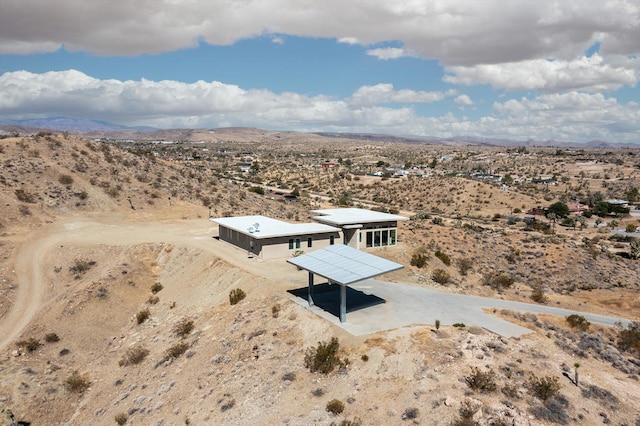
110, 230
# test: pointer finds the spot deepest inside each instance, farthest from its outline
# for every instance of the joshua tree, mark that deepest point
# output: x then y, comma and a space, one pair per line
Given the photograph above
576, 365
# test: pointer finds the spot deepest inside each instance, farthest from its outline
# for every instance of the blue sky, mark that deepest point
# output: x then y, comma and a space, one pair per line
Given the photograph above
543, 70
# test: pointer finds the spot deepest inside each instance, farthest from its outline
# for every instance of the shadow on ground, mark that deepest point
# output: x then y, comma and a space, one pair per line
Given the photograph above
327, 297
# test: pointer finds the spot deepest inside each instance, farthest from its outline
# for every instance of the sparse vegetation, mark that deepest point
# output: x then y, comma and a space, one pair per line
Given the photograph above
275, 310
236, 295
410, 414
324, 358
65, 179
443, 257
578, 322
143, 315
335, 406
77, 383
80, 266
183, 327
51, 338
481, 381
30, 345
543, 388
497, 280
464, 266
134, 355
176, 350
629, 338
121, 418
537, 293
419, 260
440, 276
156, 287
25, 196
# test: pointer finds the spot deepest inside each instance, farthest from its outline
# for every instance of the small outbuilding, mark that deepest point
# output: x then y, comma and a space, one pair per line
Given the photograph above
268, 238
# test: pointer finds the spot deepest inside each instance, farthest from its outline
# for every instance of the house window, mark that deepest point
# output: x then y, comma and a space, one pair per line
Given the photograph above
290, 243
309, 241
369, 239
392, 237
297, 243
332, 240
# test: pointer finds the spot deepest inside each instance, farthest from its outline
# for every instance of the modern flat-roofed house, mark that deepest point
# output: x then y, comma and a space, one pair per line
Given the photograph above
362, 228
269, 238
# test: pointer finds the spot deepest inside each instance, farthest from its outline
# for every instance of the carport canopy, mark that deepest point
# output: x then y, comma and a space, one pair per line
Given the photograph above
343, 265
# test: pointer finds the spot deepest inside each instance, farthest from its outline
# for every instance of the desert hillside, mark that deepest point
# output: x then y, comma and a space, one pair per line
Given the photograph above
115, 297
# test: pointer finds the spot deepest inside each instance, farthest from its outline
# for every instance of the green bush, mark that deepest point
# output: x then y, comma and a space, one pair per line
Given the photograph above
335, 406
25, 197
440, 276
77, 383
629, 338
537, 294
458, 325
121, 418
443, 257
543, 387
275, 310
29, 345
65, 179
481, 381
134, 355
464, 265
236, 295
578, 321
156, 287
257, 189
419, 260
497, 280
183, 327
143, 315
176, 350
51, 338
324, 358
80, 266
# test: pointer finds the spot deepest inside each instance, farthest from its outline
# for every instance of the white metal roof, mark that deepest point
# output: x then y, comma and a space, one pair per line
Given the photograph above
351, 216
270, 228
343, 264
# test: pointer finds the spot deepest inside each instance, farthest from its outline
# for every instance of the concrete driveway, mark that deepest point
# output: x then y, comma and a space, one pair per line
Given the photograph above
407, 305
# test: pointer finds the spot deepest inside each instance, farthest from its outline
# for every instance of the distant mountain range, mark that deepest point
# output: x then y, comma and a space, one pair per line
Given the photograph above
97, 128
70, 124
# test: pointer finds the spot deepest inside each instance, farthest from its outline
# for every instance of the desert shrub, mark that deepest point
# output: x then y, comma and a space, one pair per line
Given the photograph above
236, 295
466, 413
459, 324
134, 355
440, 276
257, 189
65, 179
543, 388
464, 265
121, 418
437, 221
364, 357
80, 266
410, 414
275, 310
578, 321
143, 315
29, 345
357, 421
497, 280
593, 391
419, 260
152, 300
629, 338
51, 338
443, 257
183, 327
156, 287
481, 381
335, 406
290, 376
77, 383
537, 294
176, 350
324, 358
437, 324
25, 197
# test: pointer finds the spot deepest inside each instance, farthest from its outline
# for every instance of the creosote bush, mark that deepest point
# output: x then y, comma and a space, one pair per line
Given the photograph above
464, 265
134, 355
419, 260
236, 295
578, 321
183, 328
481, 381
121, 418
543, 388
335, 406
443, 257
77, 383
410, 414
324, 358
143, 315
440, 276
275, 310
156, 287
629, 338
497, 280
176, 350
51, 338
25, 197
65, 179
537, 294
29, 345
80, 266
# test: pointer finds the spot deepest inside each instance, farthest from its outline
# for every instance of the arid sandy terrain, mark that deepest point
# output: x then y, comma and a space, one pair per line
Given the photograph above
88, 229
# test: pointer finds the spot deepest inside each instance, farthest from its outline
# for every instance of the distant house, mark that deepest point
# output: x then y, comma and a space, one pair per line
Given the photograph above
268, 238
328, 165
577, 207
537, 211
